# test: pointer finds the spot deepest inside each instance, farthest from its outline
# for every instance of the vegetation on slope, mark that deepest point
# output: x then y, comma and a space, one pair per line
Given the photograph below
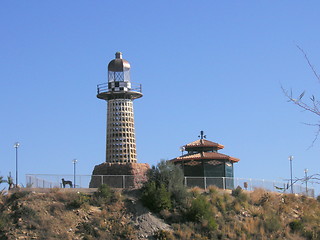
192, 214
218, 214
64, 215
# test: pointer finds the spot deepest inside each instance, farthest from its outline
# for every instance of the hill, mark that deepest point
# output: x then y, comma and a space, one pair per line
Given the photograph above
110, 214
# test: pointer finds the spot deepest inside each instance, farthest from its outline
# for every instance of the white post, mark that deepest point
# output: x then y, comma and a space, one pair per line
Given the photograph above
224, 183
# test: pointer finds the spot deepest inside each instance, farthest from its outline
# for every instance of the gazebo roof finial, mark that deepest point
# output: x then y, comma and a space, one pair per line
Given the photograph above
202, 136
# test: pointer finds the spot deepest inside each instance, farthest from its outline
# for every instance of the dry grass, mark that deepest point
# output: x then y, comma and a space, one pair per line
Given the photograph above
62, 215
240, 215
257, 215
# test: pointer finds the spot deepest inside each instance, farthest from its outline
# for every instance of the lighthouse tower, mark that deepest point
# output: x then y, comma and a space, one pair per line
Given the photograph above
119, 94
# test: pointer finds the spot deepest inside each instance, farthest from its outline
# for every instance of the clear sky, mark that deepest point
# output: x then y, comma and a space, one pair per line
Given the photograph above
216, 66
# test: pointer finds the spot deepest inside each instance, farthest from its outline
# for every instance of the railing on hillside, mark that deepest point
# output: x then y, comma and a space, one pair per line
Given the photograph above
125, 181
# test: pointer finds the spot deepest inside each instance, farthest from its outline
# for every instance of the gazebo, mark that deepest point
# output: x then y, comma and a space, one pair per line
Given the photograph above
202, 165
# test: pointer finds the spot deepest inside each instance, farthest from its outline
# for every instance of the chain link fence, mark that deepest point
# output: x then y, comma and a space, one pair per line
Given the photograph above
130, 181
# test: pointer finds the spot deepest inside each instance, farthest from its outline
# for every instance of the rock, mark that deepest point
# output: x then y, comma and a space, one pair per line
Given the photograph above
125, 175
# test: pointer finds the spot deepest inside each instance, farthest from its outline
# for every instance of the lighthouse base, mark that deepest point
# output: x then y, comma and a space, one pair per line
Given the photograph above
124, 175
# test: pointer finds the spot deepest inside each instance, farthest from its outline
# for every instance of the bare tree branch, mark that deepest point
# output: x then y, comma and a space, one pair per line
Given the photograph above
309, 63
314, 105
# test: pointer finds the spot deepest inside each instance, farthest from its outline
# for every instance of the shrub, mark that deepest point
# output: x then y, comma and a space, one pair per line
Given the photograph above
105, 192
163, 235
3, 222
199, 208
18, 195
156, 198
171, 176
56, 208
296, 226
88, 229
239, 194
272, 224
103, 195
78, 200
213, 190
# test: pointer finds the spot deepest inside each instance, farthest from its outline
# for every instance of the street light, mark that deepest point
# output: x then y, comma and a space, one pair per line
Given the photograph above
181, 150
306, 179
16, 145
290, 159
74, 161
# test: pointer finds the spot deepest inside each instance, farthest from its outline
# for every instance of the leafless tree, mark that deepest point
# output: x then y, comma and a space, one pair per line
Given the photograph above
311, 104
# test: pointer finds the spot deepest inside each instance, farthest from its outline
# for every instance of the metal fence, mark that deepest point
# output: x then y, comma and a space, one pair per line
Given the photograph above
130, 181
248, 184
83, 181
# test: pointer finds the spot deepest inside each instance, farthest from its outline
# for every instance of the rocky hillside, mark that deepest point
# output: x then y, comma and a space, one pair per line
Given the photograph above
108, 214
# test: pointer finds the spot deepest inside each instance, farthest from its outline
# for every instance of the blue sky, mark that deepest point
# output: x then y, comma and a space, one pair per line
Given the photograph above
216, 66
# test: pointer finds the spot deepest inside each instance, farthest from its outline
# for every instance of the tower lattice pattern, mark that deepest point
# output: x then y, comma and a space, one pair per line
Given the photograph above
121, 145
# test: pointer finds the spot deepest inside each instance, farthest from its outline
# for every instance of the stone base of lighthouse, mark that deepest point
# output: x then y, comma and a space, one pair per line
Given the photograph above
119, 175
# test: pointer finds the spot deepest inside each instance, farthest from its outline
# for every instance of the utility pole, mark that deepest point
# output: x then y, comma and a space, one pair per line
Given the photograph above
16, 146
290, 159
74, 161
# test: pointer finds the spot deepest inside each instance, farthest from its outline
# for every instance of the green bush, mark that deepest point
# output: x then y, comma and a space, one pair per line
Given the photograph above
171, 176
201, 211
239, 194
103, 195
296, 226
272, 224
164, 188
78, 200
156, 198
104, 191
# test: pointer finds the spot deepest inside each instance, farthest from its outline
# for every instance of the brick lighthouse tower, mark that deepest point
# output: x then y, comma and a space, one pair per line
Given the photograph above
121, 156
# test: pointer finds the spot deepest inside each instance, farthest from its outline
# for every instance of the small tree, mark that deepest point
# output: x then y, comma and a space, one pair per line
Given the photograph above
10, 182
164, 188
172, 177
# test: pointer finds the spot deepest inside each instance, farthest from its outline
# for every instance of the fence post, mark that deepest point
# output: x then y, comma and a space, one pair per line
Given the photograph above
123, 182
185, 181
205, 183
224, 183
101, 179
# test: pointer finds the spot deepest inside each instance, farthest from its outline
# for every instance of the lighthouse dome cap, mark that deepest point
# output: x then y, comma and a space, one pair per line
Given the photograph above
118, 64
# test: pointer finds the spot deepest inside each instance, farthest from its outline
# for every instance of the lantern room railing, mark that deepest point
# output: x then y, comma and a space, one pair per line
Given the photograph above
103, 87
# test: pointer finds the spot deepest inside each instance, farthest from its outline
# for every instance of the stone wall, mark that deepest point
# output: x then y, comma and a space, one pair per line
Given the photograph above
125, 175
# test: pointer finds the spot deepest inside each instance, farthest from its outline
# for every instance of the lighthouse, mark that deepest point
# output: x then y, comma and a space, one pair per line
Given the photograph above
120, 168
119, 94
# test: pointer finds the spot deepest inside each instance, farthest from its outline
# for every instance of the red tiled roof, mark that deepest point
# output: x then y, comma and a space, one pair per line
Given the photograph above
205, 155
203, 143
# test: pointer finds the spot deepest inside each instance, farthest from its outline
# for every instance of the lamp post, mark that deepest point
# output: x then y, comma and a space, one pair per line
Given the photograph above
306, 179
74, 161
16, 146
290, 159
181, 150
